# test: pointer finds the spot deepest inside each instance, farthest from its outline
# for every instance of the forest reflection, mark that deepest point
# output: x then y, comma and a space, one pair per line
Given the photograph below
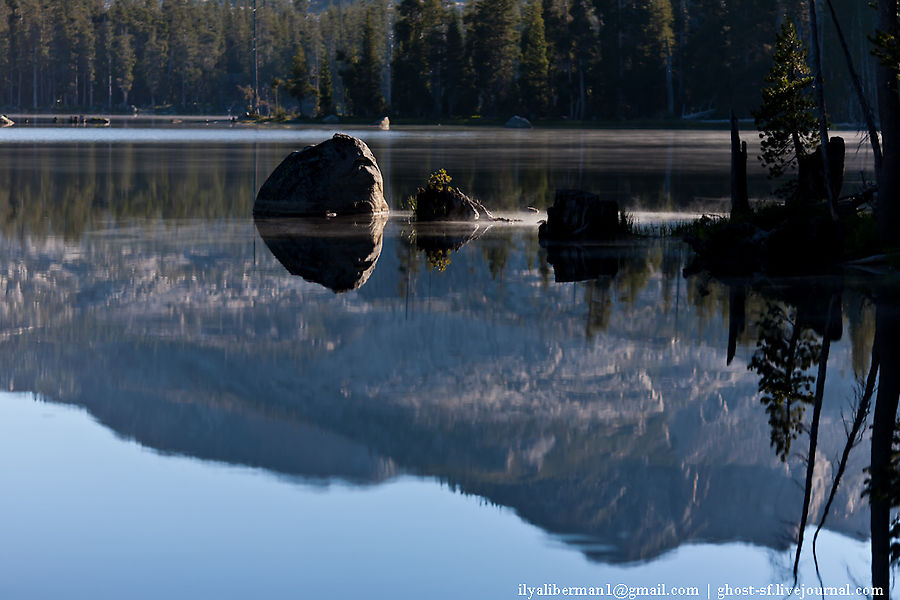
73, 187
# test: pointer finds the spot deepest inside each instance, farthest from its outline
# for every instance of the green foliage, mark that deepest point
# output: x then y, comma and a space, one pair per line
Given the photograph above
534, 82
438, 260
887, 49
326, 90
784, 354
362, 77
298, 85
563, 59
786, 119
492, 49
439, 180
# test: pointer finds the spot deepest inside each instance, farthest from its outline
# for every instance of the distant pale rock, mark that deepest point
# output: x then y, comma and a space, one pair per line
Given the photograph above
6, 121
384, 124
331, 119
338, 176
517, 122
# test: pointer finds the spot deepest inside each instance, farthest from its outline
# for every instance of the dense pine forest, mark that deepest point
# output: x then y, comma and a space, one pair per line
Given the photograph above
419, 59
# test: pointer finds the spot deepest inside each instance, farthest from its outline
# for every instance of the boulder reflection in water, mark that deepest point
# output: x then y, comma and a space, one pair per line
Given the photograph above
338, 253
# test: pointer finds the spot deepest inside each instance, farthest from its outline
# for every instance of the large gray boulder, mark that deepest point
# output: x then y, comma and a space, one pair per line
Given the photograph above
339, 176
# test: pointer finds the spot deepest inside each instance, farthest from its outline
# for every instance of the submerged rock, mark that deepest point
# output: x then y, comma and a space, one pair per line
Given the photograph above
517, 122
580, 215
448, 204
338, 253
338, 176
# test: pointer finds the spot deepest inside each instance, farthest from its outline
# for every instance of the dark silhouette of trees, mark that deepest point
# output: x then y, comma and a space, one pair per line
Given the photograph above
577, 59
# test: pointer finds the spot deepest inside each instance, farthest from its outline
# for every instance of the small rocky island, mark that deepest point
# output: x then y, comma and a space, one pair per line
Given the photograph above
439, 201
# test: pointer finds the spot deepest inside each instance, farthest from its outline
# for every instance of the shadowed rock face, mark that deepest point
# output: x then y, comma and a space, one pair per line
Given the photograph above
339, 176
337, 253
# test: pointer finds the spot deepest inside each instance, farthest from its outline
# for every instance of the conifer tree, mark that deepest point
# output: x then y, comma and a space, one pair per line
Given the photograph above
298, 84
326, 91
493, 50
533, 70
786, 120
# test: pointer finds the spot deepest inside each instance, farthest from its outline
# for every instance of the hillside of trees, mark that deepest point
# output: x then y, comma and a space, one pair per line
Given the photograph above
422, 59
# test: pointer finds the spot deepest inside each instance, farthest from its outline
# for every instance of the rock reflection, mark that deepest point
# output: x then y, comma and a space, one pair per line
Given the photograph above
338, 253
576, 262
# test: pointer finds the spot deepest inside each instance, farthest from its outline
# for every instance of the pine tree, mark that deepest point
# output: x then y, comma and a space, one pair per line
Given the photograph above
410, 94
493, 50
786, 119
124, 60
455, 69
533, 70
362, 80
326, 92
298, 84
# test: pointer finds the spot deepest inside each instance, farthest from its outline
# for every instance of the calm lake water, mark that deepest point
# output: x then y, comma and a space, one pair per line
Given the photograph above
193, 412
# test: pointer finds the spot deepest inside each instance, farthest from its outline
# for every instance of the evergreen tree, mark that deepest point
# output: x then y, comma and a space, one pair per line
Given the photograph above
457, 74
362, 80
534, 68
326, 93
786, 120
410, 94
492, 47
298, 84
124, 65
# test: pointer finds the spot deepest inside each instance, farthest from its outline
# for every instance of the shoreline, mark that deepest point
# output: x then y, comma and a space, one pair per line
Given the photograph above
118, 120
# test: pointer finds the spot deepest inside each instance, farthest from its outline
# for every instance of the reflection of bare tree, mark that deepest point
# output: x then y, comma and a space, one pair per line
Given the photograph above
833, 313
854, 437
883, 488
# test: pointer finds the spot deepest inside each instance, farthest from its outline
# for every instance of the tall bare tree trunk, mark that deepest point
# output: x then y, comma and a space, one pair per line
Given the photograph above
820, 99
857, 86
889, 112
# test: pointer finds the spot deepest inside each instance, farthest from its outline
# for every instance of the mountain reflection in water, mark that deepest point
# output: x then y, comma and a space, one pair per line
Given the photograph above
605, 398
636, 435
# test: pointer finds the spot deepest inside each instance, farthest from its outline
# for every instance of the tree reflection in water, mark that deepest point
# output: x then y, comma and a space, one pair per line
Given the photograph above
788, 346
